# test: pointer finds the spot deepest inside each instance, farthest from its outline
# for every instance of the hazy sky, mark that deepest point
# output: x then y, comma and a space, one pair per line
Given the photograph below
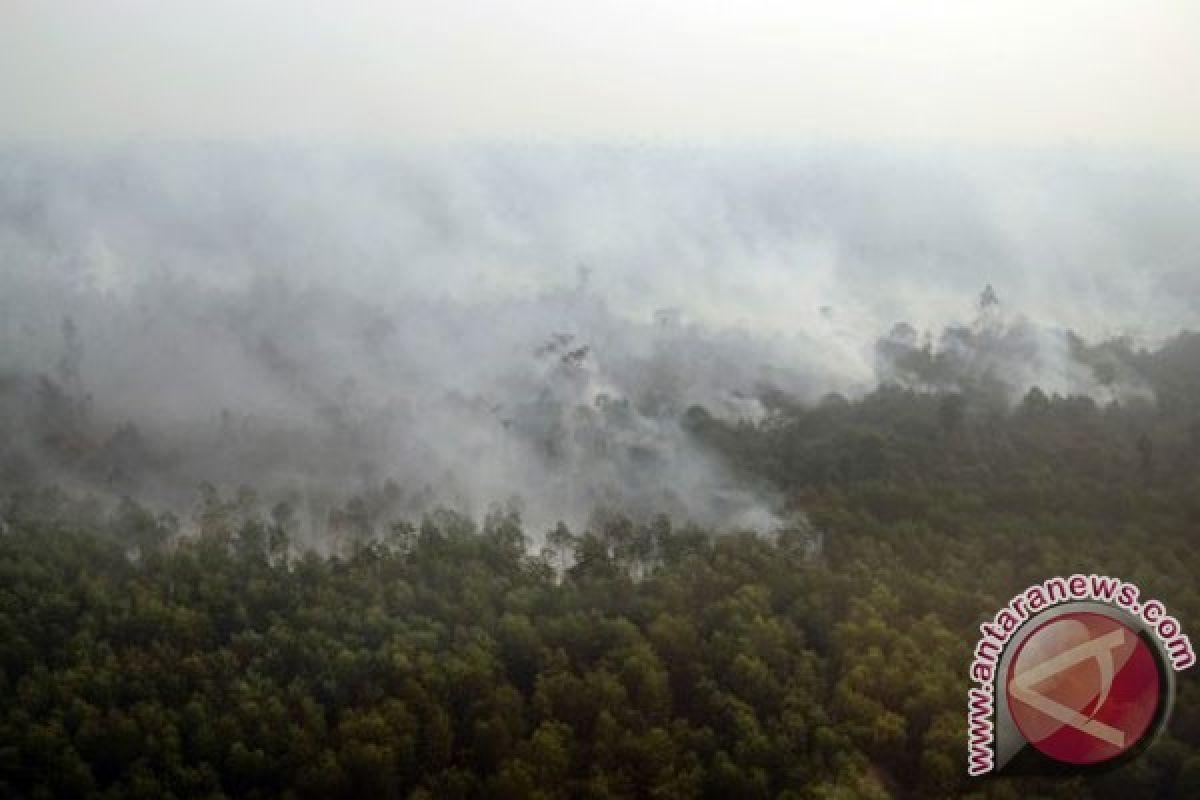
997, 73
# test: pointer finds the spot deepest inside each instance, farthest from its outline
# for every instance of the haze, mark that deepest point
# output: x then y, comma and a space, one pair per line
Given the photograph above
993, 74
502, 250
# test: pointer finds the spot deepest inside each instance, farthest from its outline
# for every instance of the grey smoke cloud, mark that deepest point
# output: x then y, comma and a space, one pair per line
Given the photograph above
493, 322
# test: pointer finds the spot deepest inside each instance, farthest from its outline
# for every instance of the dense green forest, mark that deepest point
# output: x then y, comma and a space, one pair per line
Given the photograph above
441, 658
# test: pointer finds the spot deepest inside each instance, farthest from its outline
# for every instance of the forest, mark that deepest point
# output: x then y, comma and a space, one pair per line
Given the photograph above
543, 400
441, 656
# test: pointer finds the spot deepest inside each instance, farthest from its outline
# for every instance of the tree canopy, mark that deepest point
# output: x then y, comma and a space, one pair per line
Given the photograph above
448, 658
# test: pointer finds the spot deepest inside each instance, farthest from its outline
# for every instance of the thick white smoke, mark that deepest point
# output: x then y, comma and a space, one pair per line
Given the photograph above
482, 324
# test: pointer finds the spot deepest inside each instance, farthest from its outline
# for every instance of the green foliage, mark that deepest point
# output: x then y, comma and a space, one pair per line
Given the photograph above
628, 660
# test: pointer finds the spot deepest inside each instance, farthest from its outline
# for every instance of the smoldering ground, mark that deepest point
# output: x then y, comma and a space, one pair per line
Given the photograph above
529, 325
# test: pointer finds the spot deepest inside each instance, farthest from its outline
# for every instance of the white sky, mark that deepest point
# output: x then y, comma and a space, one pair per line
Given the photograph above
1014, 72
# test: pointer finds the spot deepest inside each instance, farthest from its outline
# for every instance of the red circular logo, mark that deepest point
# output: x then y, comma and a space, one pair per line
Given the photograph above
1083, 688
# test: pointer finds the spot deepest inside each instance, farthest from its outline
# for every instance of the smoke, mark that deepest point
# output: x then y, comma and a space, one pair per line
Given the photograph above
1003, 356
530, 324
